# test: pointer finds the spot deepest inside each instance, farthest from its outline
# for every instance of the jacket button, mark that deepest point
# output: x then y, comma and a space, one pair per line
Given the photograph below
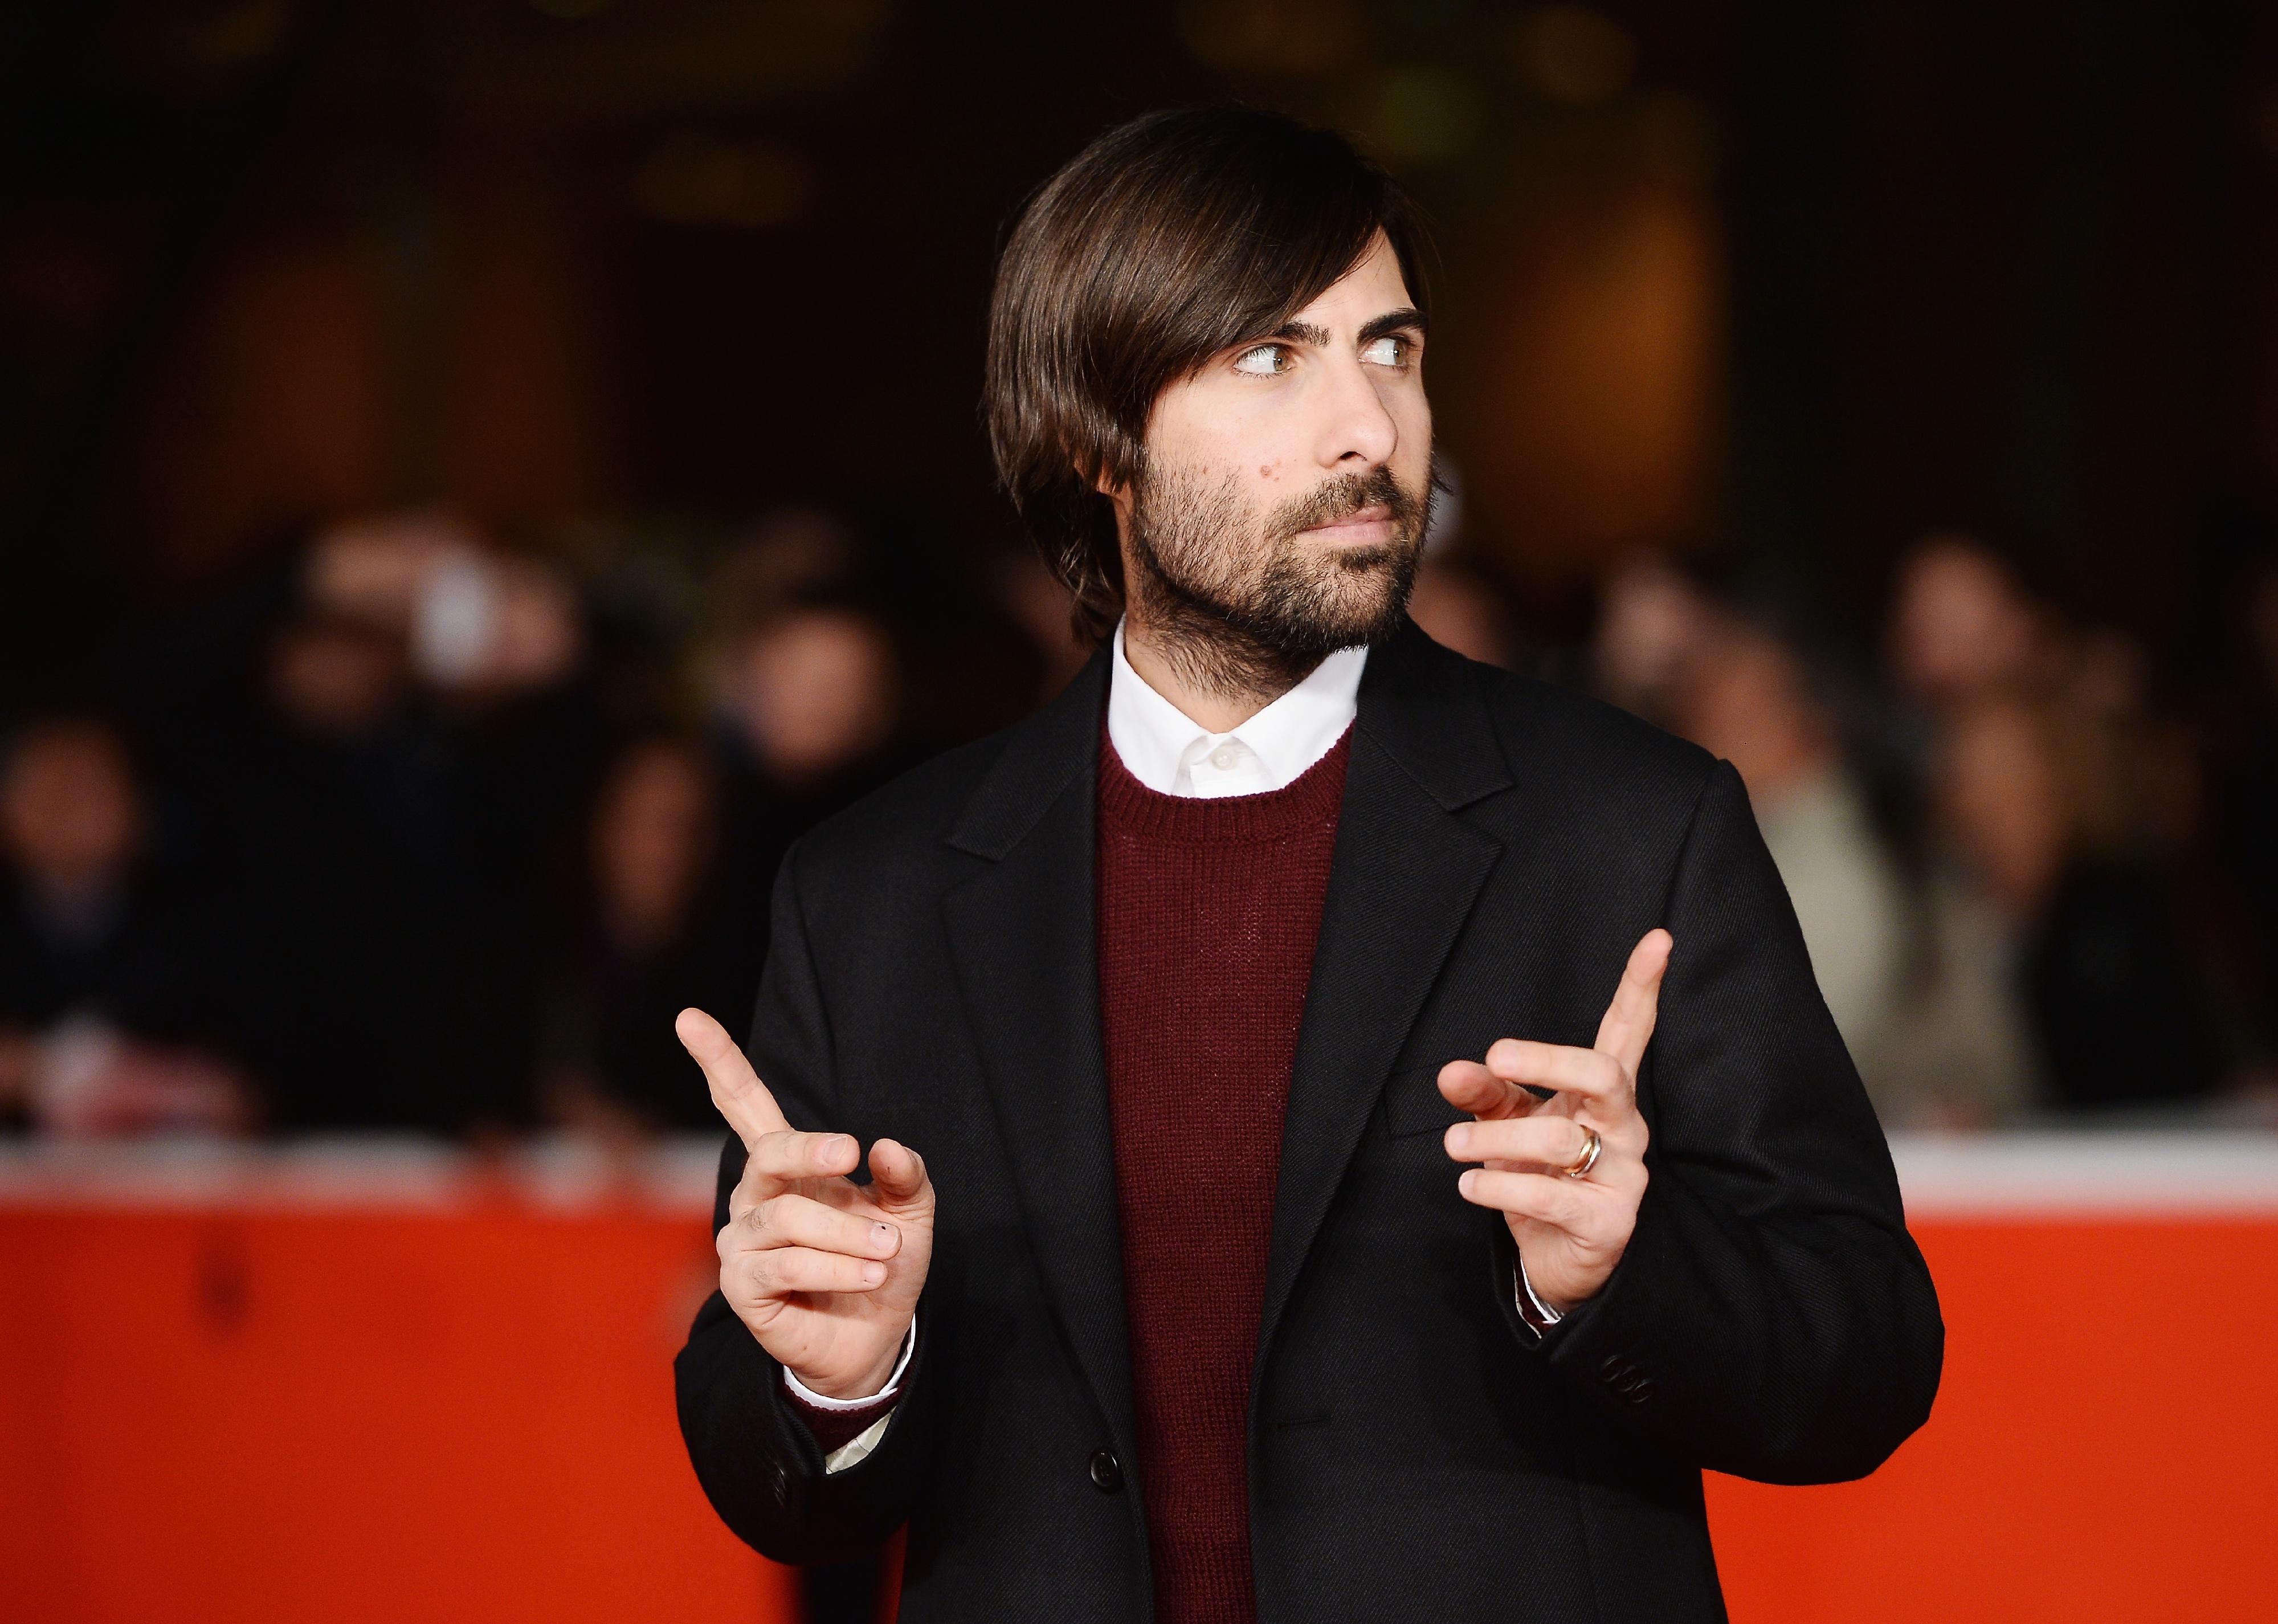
1106, 1471
1616, 1370
1638, 1390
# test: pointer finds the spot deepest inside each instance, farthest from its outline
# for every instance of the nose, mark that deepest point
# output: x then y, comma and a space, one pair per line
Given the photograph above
1356, 430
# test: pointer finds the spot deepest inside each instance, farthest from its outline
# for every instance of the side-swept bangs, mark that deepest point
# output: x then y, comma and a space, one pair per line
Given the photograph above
1163, 243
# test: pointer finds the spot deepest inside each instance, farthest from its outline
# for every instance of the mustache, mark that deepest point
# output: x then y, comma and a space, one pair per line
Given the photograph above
1342, 495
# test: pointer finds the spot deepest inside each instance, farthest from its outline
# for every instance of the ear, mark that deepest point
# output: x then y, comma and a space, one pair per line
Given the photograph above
1119, 498
1119, 502
1100, 483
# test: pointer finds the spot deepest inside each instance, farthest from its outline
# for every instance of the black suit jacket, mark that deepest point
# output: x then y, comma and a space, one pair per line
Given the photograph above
1415, 1450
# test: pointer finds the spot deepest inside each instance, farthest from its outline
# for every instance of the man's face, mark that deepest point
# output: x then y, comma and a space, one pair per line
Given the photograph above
1287, 481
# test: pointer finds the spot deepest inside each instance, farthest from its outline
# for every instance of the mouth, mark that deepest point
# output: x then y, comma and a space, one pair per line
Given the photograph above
1365, 526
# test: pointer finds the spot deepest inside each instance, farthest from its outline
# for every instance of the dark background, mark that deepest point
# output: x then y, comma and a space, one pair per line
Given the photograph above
667, 315
1780, 279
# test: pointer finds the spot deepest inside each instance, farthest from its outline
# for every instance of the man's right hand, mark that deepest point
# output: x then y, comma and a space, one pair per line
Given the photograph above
825, 1272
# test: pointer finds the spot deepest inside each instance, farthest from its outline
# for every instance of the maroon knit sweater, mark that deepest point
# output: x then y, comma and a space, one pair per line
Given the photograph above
1208, 911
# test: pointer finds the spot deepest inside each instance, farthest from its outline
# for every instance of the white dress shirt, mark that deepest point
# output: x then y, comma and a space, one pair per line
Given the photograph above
1171, 753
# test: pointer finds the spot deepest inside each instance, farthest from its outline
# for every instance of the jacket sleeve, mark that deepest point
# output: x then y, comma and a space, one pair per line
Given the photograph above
760, 1466
1771, 1317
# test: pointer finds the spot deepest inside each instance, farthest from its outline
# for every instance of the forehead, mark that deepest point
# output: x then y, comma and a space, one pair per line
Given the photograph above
1373, 286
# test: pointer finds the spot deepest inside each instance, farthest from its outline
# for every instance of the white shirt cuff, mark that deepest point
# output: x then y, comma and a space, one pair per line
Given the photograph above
1550, 1315
856, 1449
807, 1395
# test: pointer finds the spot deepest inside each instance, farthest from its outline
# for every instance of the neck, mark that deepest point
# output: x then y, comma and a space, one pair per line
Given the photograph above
1218, 681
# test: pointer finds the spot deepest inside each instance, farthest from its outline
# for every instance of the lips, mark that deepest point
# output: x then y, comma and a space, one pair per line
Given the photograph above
1375, 514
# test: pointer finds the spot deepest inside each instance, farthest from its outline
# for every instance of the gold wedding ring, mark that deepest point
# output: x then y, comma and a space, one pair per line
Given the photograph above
1580, 1167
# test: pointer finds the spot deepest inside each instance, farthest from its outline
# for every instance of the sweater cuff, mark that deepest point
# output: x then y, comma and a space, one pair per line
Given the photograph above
835, 1423
834, 1429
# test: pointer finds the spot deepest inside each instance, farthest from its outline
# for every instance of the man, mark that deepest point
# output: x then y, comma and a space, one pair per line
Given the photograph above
1195, 989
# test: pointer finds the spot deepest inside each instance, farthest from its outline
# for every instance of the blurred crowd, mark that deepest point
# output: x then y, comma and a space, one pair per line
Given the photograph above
2033, 884
416, 831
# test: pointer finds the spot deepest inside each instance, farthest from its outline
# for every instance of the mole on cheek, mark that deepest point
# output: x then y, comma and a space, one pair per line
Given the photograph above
1265, 470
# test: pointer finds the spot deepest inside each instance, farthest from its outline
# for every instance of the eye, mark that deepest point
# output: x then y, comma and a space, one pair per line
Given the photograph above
1263, 360
1390, 350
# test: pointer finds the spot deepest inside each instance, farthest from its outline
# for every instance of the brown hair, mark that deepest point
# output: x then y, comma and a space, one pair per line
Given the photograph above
1166, 241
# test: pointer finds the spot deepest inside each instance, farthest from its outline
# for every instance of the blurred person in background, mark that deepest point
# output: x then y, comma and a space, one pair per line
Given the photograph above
2030, 740
345, 854
114, 1017
1962, 626
807, 704
1912, 971
812, 695
648, 940
1745, 694
1652, 621
408, 751
2113, 1002
496, 650
789, 556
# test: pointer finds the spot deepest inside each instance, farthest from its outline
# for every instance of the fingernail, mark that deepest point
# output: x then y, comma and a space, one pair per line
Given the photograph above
882, 1234
873, 1272
838, 1145
1459, 1139
1470, 1177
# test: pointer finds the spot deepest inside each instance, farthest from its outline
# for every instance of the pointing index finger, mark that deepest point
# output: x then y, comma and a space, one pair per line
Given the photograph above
737, 1091
1629, 1018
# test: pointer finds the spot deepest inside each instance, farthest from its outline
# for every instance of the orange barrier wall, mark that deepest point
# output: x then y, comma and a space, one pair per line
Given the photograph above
2105, 1444
464, 1411
354, 1416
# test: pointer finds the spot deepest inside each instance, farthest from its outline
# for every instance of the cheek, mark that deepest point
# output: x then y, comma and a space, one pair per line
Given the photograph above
1267, 468
1413, 418
1258, 468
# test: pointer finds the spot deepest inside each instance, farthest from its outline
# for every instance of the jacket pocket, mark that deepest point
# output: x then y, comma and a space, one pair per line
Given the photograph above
1413, 1105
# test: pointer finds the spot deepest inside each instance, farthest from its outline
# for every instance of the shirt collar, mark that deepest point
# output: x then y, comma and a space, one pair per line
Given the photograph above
1152, 735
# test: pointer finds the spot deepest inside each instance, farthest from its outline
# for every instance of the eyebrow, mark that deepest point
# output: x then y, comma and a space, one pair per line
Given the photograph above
1394, 321
1391, 321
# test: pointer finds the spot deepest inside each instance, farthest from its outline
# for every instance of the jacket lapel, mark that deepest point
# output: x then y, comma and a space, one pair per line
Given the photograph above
1404, 878
1027, 957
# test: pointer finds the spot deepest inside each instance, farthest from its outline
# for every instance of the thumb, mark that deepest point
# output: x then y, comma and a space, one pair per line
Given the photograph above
898, 1176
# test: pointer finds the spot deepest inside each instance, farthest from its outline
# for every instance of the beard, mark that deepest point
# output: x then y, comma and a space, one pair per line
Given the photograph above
1240, 605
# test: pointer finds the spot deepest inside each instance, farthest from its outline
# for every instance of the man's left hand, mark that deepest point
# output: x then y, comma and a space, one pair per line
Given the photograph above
1570, 1230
